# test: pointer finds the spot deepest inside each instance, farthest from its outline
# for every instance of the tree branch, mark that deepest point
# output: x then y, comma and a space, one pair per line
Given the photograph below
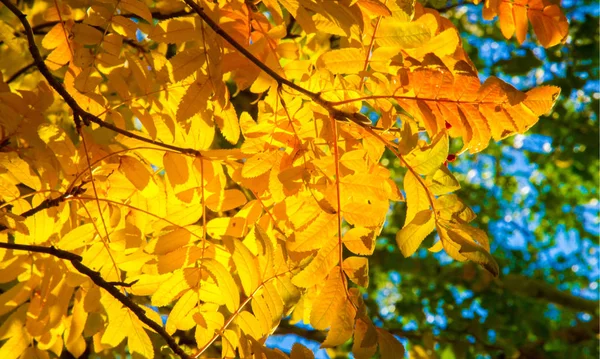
155, 15
108, 286
53, 202
20, 72
514, 283
77, 110
274, 75
532, 288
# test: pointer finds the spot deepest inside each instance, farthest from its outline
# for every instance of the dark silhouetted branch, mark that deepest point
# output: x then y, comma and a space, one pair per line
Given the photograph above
20, 72
107, 286
77, 110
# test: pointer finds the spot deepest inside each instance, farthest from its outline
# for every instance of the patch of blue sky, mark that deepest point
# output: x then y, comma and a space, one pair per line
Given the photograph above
442, 257
137, 124
475, 310
587, 293
285, 343
565, 254
584, 317
534, 143
589, 216
577, 11
410, 326
491, 334
395, 277
386, 299
438, 319
515, 163
512, 238
589, 253
460, 295
552, 312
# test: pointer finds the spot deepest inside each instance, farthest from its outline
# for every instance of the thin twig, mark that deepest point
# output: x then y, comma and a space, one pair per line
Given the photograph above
20, 72
274, 75
108, 286
155, 15
86, 117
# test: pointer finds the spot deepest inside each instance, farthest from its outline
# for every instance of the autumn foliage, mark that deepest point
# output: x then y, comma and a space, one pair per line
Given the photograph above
209, 161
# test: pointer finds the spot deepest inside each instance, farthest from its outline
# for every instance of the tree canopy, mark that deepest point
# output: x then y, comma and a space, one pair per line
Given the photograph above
211, 179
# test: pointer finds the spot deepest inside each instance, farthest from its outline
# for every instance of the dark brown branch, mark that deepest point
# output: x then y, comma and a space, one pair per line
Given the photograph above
412, 335
338, 115
107, 286
77, 110
532, 288
155, 15
20, 72
274, 75
53, 202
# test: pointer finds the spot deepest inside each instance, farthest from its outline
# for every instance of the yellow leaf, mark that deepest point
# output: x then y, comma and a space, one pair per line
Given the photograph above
425, 160
138, 8
299, 351
417, 198
343, 61
177, 168
20, 170
330, 297
260, 163
461, 243
310, 237
360, 240
365, 186
209, 322
228, 123
442, 182
172, 287
365, 339
540, 100
8, 190
317, 269
370, 213
86, 35
186, 62
181, 311
404, 35
389, 346
410, 237
245, 264
77, 237
357, 269
176, 31
225, 283
342, 325
226, 226
194, 100
248, 324
386, 60
139, 176
226, 201
124, 26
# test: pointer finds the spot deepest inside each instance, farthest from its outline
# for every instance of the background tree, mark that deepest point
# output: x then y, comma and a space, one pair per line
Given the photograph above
132, 225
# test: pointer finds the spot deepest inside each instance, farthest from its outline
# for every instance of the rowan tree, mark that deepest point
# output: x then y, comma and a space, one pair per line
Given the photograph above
209, 164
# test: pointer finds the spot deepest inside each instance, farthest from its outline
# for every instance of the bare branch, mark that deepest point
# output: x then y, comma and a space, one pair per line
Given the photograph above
274, 75
20, 72
77, 110
108, 286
